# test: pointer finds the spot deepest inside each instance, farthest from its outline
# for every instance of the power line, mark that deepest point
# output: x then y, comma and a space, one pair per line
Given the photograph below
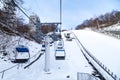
23, 11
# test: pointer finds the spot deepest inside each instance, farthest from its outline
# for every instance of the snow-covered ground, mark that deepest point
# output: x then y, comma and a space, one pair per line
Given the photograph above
59, 69
104, 48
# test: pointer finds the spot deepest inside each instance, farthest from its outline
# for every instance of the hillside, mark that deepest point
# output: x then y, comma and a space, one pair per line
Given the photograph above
101, 21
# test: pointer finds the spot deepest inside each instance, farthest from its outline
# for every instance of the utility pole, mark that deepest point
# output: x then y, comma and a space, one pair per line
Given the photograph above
60, 15
60, 11
47, 54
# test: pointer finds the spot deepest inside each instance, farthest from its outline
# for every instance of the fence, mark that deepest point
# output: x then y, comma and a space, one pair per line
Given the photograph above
85, 76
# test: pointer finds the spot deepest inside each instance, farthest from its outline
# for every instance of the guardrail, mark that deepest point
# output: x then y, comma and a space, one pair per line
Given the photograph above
95, 62
3, 71
85, 76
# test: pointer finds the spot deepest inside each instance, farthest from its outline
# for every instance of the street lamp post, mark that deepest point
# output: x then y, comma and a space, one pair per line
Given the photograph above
60, 15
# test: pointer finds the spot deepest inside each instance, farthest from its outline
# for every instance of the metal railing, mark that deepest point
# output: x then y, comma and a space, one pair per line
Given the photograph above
85, 76
3, 71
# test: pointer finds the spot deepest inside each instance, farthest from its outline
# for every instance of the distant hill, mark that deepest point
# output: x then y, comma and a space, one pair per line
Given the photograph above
101, 21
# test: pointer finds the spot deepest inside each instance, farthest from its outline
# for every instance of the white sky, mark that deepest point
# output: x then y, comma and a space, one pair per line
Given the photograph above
74, 12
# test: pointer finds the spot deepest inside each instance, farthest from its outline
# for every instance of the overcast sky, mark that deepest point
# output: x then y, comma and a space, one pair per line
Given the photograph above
74, 12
